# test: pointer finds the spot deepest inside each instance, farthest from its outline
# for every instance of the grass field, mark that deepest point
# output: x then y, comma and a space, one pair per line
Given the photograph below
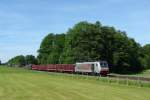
20, 84
145, 73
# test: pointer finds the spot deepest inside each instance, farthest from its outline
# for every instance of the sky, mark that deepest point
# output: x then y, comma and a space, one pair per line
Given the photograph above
24, 23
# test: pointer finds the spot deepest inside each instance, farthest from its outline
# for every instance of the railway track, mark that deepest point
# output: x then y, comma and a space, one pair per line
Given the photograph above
129, 77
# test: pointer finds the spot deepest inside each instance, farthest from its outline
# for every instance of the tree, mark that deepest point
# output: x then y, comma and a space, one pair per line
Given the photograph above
107, 42
30, 59
51, 49
82, 43
145, 59
126, 56
45, 48
93, 42
18, 61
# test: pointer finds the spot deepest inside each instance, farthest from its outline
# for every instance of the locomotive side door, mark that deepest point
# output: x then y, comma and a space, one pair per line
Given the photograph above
92, 68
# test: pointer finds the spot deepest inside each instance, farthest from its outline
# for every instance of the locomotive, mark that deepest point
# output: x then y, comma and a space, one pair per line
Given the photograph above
97, 68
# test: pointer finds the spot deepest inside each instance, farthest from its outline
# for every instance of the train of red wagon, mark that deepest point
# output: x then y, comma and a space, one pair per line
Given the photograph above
97, 68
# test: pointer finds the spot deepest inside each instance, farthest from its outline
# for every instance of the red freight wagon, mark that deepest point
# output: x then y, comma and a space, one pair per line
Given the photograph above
51, 68
59, 68
42, 68
65, 68
34, 67
70, 68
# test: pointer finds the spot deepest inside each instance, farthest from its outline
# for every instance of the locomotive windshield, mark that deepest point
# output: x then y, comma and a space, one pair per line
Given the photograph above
104, 64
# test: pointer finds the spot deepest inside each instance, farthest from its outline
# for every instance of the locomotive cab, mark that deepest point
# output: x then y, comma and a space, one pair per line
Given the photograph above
104, 68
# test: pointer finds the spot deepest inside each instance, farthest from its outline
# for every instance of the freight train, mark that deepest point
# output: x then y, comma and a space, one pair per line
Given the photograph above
97, 68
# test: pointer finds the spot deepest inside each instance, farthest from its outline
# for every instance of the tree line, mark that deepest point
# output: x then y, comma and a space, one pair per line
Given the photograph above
93, 42
20, 61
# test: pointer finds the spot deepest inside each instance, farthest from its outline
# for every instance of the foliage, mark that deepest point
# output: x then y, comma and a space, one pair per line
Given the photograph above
126, 54
20, 61
51, 49
93, 42
146, 56
82, 43
30, 59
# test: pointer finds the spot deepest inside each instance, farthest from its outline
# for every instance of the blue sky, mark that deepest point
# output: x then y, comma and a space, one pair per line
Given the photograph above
24, 23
